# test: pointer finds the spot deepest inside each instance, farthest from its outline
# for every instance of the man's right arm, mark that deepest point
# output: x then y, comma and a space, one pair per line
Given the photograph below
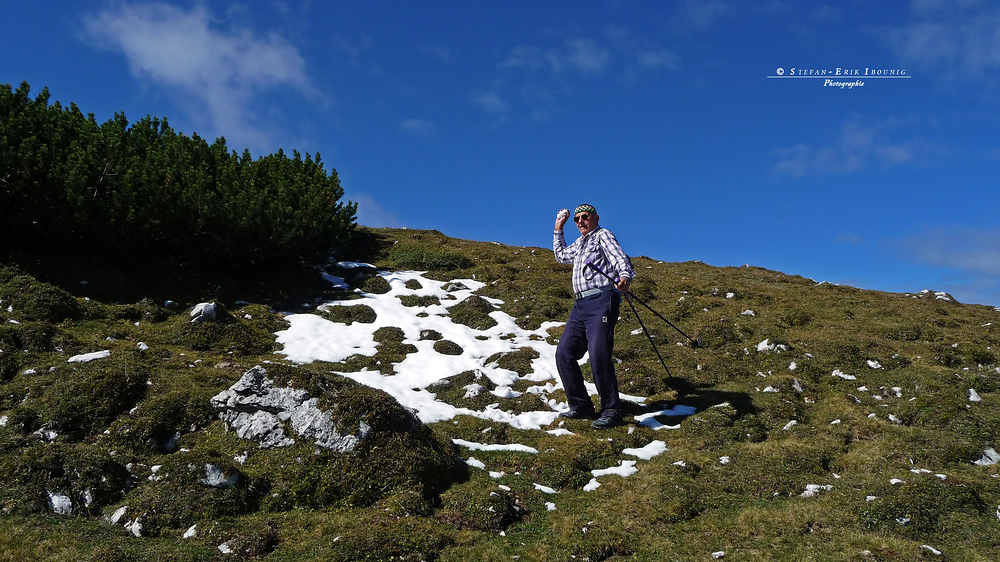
560, 249
559, 239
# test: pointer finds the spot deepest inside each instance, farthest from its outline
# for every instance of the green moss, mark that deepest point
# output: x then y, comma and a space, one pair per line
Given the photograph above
921, 509
376, 285
780, 467
349, 314
145, 310
453, 390
85, 398
89, 476
447, 347
8, 272
474, 313
518, 361
227, 334
10, 365
162, 416
378, 537
414, 300
432, 335
421, 256
178, 494
570, 468
27, 336
479, 505
32, 300
551, 306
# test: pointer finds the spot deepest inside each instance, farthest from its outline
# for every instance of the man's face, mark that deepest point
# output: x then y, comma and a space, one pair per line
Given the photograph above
586, 221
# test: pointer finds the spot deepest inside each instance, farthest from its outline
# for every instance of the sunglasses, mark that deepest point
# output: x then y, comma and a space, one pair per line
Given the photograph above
582, 217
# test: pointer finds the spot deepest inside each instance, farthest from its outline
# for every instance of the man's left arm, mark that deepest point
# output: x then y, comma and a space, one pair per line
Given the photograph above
619, 262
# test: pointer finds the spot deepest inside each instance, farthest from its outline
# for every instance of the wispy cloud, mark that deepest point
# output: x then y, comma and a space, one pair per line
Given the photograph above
958, 38
353, 49
971, 254
537, 77
966, 249
641, 51
217, 72
442, 54
373, 214
699, 15
418, 127
825, 13
857, 147
490, 102
583, 56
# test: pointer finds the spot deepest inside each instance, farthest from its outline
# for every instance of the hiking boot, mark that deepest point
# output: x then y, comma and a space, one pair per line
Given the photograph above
575, 415
607, 421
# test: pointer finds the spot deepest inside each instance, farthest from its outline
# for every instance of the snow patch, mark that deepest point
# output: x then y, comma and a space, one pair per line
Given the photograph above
87, 357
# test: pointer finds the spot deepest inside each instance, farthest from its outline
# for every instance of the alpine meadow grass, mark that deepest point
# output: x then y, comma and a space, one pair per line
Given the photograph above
814, 421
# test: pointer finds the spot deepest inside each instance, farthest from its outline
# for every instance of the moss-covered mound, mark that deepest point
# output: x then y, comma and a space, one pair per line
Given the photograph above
393, 452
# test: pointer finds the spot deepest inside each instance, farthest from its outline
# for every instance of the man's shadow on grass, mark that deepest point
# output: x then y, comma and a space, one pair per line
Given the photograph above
691, 399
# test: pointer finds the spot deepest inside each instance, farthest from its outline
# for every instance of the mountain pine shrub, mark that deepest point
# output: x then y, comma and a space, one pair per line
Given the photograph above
70, 183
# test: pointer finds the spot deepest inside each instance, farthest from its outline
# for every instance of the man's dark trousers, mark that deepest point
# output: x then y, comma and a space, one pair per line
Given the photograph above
590, 328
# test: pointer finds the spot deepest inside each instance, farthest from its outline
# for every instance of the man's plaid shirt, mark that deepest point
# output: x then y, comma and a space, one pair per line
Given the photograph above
601, 248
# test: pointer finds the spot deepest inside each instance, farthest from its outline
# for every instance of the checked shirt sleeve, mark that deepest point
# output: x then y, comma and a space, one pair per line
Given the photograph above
564, 253
612, 258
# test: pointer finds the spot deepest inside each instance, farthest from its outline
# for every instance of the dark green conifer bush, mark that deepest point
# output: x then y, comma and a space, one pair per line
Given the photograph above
144, 189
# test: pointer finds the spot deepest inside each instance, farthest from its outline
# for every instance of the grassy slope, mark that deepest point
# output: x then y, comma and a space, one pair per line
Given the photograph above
932, 350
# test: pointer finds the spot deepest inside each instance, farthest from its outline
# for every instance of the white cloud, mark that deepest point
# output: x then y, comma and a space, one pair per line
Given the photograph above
959, 38
539, 77
825, 13
531, 58
417, 127
442, 54
657, 58
216, 71
699, 15
371, 213
586, 57
353, 49
575, 55
642, 52
489, 102
969, 259
962, 248
857, 147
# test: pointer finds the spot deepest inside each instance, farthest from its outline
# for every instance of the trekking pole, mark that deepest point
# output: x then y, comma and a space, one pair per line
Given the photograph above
694, 343
644, 330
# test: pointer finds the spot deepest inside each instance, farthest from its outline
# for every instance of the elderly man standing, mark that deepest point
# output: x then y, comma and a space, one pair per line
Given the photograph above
591, 324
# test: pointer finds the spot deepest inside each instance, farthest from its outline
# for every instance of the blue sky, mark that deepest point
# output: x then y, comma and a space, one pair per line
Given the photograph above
483, 119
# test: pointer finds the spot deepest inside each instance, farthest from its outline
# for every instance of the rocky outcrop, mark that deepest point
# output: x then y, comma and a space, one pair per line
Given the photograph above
259, 411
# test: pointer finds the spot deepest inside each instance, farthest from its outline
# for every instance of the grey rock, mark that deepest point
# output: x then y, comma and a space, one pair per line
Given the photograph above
117, 516
204, 311
61, 504
256, 410
215, 478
